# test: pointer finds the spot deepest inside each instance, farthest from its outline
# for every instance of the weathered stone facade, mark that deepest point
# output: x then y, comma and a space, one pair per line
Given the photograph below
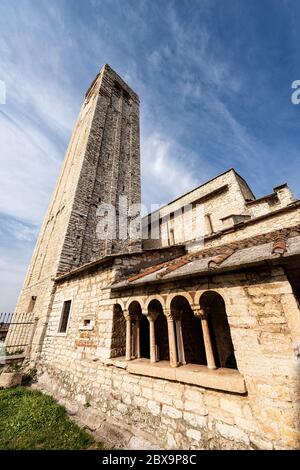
189, 342
102, 162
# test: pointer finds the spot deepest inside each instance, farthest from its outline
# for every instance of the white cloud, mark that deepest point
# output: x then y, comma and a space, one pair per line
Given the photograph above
155, 59
12, 274
29, 164
168, 169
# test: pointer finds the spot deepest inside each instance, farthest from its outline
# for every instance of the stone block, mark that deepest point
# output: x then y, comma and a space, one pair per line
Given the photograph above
194, 434
231, 406
171, 443
290, 437
154, 407
147, 393
192, 394
139, 443
195, 407
211, 400
232, 433
259, 443
171, 412
10, 379
221, 415
247, 425
195, 420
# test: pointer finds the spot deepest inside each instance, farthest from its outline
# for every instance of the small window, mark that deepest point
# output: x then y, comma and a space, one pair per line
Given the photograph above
172, 236
31, 304
209, 225
88, 323
65, 317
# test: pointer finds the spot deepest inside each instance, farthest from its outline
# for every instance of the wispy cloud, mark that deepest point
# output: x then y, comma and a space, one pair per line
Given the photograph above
168, 170
214, 92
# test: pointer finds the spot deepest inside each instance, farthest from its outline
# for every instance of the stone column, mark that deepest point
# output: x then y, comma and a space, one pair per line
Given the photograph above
180, 345
152, 316
202, 314
128, 335
138, 337
153, 357
172, 339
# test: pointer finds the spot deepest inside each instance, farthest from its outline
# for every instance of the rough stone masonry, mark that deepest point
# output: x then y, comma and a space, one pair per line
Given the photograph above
185, 341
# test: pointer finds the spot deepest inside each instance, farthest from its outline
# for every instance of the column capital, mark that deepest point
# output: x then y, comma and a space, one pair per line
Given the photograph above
126, 314
152, 316
177, 314
168, 314
200, 312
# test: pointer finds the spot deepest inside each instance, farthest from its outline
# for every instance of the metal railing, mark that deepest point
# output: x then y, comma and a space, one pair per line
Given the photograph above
16, 333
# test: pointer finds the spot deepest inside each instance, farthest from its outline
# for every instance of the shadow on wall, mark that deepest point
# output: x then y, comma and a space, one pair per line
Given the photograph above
118, 332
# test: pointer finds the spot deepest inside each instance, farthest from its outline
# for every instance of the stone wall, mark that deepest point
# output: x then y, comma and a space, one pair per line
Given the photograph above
172, 416
223, 196
263, 316
102, 162
218, 198
274, 221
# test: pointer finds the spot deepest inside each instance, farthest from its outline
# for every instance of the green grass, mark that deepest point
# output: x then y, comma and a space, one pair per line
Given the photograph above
32, 420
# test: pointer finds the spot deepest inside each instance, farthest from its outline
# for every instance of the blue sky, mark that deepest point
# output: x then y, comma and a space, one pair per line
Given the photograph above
214, 79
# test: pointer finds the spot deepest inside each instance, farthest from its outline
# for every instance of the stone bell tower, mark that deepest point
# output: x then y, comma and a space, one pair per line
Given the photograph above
102, 163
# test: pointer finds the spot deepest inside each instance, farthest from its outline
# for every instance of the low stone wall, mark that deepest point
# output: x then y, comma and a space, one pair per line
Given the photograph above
152, 413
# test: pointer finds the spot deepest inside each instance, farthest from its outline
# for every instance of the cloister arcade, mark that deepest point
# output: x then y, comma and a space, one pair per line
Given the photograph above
180, 328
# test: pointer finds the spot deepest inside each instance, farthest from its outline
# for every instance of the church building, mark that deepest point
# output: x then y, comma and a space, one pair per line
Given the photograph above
178, 330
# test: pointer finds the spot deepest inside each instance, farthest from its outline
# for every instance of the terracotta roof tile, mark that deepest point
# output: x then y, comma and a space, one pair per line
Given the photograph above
279, 246
221, 253
172, 267
217, 260
147, 271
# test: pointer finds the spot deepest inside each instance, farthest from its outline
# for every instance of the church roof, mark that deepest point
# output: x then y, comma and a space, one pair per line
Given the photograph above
275, 246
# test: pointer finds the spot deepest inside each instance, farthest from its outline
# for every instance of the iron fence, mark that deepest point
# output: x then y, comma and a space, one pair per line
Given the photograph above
16, 333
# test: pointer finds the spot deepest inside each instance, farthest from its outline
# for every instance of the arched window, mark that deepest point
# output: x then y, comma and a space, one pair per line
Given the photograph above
155, 311
135, 312
118, 332
189, 336
214, 307
145, 337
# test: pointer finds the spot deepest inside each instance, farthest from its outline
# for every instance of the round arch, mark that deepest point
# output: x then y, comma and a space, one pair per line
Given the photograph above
134, 307
189, 334
187, 296
157, 297
214, 306
120, 302
200, 292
